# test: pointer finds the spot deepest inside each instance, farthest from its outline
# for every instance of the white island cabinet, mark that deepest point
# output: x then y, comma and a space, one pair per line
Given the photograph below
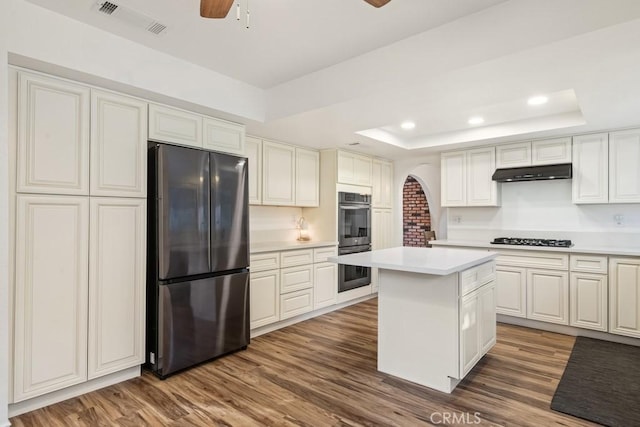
436, 311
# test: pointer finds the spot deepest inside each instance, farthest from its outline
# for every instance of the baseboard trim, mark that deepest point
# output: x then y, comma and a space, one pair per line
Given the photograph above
73, 391
288, 322
567, 330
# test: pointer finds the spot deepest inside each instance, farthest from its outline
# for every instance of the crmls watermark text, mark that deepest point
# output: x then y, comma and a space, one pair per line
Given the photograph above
445, 418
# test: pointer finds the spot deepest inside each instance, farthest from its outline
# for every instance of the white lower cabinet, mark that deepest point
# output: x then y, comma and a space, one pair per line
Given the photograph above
117, 278
477, 326
624, 296
548, 296
511, 290
52, 263
325, 280
289, 283
265, 298
588, 301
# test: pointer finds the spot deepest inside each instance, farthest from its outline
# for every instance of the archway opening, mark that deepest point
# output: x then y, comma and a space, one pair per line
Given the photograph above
416, 219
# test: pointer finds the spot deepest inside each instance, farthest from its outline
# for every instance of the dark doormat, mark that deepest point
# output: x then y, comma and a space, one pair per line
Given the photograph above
601, 383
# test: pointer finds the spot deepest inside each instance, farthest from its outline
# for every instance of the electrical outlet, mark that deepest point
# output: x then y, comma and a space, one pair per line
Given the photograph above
619, 219
457, 219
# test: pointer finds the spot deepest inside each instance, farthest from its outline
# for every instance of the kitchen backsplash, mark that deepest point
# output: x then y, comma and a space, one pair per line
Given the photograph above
544, 209
273, 223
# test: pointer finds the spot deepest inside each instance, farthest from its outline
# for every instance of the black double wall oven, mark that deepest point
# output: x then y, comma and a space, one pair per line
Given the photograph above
354, 235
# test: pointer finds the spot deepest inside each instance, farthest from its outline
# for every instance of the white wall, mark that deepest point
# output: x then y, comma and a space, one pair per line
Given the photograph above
544, 209
4, 220
426, 170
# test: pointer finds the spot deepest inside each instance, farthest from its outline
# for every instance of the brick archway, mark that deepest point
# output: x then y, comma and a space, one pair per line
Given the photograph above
415, 213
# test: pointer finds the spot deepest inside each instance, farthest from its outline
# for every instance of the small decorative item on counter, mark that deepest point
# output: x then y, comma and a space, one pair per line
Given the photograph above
303, 230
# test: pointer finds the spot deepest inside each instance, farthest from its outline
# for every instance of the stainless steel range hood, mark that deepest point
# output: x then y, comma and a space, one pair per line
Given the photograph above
533, 173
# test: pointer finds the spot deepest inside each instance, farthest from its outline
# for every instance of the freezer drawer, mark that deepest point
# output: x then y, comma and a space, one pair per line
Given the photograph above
200, 320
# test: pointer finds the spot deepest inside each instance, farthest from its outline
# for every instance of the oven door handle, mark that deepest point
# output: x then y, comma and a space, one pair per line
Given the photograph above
353, 208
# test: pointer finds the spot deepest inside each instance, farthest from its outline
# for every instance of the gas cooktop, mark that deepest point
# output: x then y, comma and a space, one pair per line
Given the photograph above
531, 242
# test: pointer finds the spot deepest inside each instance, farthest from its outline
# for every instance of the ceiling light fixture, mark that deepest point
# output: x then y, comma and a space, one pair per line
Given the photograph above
408, 125
476, 120
537, 100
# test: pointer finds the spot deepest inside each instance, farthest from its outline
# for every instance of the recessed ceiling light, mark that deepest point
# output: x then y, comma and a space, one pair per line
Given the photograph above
408, 125
476, 120
537, 100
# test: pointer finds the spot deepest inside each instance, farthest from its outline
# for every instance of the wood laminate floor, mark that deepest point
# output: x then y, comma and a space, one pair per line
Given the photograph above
322, 372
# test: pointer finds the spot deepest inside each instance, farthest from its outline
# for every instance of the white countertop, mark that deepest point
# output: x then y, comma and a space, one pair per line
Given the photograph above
256, 248
603, 250
438, 261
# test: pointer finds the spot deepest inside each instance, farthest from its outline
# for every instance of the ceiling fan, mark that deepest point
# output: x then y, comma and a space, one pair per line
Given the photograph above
220, 8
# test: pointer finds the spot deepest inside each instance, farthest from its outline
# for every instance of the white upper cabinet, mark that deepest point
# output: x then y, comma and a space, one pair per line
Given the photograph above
118, 145
466, 178
533, 153
590, 168
307, 181
551, 151
382, 184
278, 174
220, 135
481, 189
53, 136
454, 179
513, 155
50, 312
354, 169
253, 148
168, 124
624, 166
117, 280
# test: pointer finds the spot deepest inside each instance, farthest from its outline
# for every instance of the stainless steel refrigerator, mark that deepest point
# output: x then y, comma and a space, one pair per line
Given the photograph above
198, 257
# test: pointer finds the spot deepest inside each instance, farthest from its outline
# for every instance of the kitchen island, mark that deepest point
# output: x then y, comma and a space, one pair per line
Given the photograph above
436, 311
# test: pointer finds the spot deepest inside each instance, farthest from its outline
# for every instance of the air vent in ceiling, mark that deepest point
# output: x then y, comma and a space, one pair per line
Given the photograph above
108, 8
131, 17
353, 143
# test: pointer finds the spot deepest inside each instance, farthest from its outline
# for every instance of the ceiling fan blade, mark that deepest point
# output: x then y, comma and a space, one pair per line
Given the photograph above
377, 3
215, 8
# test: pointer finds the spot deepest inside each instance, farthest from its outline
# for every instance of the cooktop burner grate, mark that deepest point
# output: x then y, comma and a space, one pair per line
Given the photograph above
531, 242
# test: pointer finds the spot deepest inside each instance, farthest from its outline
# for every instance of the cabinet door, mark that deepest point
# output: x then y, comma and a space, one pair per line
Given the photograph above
386, 185
624, 296
168, 124
487, 310
551, 151
117, 280
307, 177
53, 136
624, 173
588, 301
50, 341
481, 189
265, 298
548, 296
376, 184
325, 284
590, 183
118, 145
454, 179
278, 174
511, 291
362, 170
470, 350
513, 155
253, 148
220, 135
